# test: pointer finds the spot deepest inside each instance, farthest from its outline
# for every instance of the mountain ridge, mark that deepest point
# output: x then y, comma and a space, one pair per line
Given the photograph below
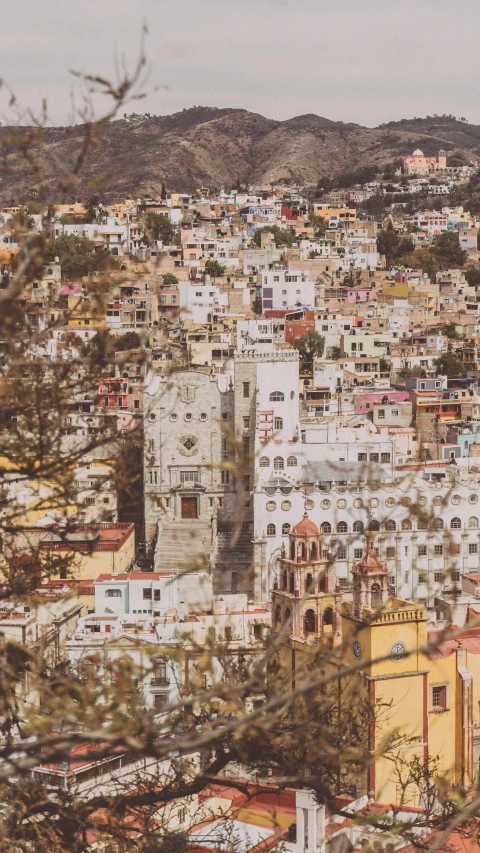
215, 147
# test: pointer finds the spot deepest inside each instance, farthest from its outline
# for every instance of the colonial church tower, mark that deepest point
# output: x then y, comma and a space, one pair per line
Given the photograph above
370, 583
304, 591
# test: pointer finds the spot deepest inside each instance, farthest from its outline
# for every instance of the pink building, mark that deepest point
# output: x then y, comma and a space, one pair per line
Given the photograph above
361, 295
364, 403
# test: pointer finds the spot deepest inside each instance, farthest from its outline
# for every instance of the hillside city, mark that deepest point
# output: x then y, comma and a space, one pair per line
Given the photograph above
293, 375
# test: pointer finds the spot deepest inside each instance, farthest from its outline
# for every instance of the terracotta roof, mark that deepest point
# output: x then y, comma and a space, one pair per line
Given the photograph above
369, 563
305, 527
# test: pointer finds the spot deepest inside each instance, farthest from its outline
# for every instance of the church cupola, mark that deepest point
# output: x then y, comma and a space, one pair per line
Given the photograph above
370, 583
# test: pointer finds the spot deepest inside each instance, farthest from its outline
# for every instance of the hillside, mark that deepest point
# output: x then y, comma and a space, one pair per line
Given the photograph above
214, 147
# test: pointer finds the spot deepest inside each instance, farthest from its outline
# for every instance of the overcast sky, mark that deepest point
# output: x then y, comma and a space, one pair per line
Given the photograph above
367, 61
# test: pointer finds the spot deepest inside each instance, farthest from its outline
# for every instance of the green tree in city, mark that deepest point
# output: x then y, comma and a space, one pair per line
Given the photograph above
156, 227
170, 278
473, 276
387, 242
280, 236
446, 246
214, 269
310, 346
447, 364
77, 256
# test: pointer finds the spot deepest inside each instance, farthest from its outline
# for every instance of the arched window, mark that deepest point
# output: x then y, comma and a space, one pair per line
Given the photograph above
328, 616
322, 582
376, 595
342, 527
373, 525
309, 621
421, 524
292, 462
309, 582
292, 550
285, 528
271, 530
455, 523
278, 614
390, 524
438, 524
313, 551
285, 580
358, 527
472, 523
278, 423
277, 397
326, 527
406, 524
288, 613
278, 463
264, 462
292, 583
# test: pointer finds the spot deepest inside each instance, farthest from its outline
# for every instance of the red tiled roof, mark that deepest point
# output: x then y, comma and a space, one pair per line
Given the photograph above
305, 527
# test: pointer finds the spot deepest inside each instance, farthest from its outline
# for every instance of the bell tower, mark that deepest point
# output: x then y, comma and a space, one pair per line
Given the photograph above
304, 591
370, 583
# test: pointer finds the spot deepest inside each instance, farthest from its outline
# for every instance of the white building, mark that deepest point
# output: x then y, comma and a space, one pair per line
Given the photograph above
283, 288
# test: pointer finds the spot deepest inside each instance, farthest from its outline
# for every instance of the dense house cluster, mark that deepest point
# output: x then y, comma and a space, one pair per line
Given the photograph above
307, 424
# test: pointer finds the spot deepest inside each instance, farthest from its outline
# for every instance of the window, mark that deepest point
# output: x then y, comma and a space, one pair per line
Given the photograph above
390, 552
271, 530
438, 577
439, 698
246, 389
438, 524
438, 550
326, 527
422, 577
228, 634
381, 413
225, 477
264, 462
181, 815
285, 528
390, 524
472, 548
358, 527
292, 462
278, 423
358, 553
246, 423
278, 463
406, 524
472, 523
147, 593
113, 593
277, 397
422, 551
342, 527
455, 524
258, 631
342, 554
385, 457
362, 457
374, 457
188, 476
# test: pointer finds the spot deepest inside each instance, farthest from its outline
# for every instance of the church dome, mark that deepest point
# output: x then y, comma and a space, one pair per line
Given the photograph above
369, 564
305, 527
418, 153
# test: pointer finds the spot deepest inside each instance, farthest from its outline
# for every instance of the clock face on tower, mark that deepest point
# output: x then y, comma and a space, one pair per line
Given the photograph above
398, 651
357, 649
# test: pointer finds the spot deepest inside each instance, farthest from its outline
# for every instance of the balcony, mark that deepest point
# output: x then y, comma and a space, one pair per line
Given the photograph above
160, 682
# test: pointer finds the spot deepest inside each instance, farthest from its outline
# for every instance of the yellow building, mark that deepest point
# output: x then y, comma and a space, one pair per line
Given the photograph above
422, 693
86, 313
347, 216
